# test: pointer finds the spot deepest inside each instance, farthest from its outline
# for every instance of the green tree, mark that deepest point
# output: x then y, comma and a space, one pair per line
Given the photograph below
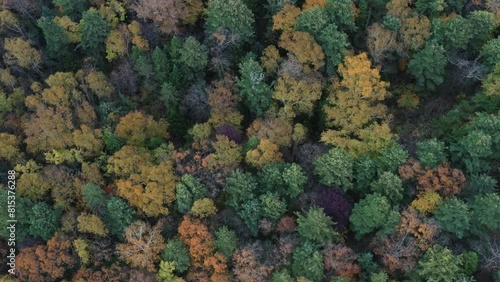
342, 14
94, 196
308, 262
225, 241
485, 211
430, 8
94, 30
390, 186
312, 20
457, 33
334, 44
491, 52
231, 14
335, 168
371, 213
175, 251
240, 187
256, 93
44, 220
118, 216
454, 216
438, 264
431, 152
55, 37
315, 226
251, 213
272, 206
288, 180
428, 66
193, 55
188, 190
482, 25
23, 215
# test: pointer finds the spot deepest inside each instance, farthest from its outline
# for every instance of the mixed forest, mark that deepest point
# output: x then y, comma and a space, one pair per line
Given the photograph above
251, 140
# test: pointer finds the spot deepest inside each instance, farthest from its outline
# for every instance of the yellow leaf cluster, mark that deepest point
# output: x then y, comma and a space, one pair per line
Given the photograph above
203, 208
20, 52
304, 47
285, 19
265, 153
297, 96
426, 202
91, 223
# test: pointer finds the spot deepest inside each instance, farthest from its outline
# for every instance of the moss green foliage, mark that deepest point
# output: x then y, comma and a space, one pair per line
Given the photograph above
428, 67
431, 152
335, 168
307, 262
373, 213
225, 241
315, 226
175, 251
438, 264
454, 216
188, 190
233, 15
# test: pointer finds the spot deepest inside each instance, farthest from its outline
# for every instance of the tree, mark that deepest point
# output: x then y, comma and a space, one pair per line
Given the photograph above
166, 15
304, 47
382, 40
335, 168
233, 15
240, 187
143, 245
90, 223
454, 216
491, 52
247, 264
55, 37
390, 186
188, 190
353, 105
428, 66
94, 197
265, 153
139, 129
315, 226
297, 96
94, 30
485, 209
254, 90
482, 25
371, 213
286, 18
308, 262
341, 259
48, 262
438, 264
118, 216
225, 241
166, 272
175, 251
20, 52
342, 13
251, 213
334, 44
430, 8
288, 180
193, 54
431, 152
312, 20
203, 207
335, 204
272, 206
43, 220
227, 153
196, 237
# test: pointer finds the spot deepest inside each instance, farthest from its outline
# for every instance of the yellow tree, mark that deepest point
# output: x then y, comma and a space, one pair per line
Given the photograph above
20, 52
137, 128
227, 153
297, 96
91, 223
265, 153
304, 47
285, 19
143, 245
224, 104
354, 103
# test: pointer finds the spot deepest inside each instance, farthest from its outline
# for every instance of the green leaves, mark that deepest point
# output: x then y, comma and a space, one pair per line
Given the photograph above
231, 14
240, 187
335, 168
431, 152
225, 241
188, 190
315, 226
94, 30
438, 264
428, 67
454, 216
308, 262
256, 94
175, 251
371, 213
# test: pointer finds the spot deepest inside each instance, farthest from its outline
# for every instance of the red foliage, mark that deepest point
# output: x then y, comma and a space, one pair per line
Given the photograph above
341, 259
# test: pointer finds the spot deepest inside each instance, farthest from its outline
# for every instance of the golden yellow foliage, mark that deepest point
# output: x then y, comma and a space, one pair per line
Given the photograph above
203, 208
227, 153
91, 223
297, 96
354, 104
426, 202
136, 128
135, 28
270, 59
113, 11
304, 47
277, 130
20, 52
117, 43
313, 3
70, 27
81, 247
265, 153
285, 19
9, 147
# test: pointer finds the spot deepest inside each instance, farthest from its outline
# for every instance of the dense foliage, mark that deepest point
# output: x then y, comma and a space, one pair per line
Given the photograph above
242, 140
